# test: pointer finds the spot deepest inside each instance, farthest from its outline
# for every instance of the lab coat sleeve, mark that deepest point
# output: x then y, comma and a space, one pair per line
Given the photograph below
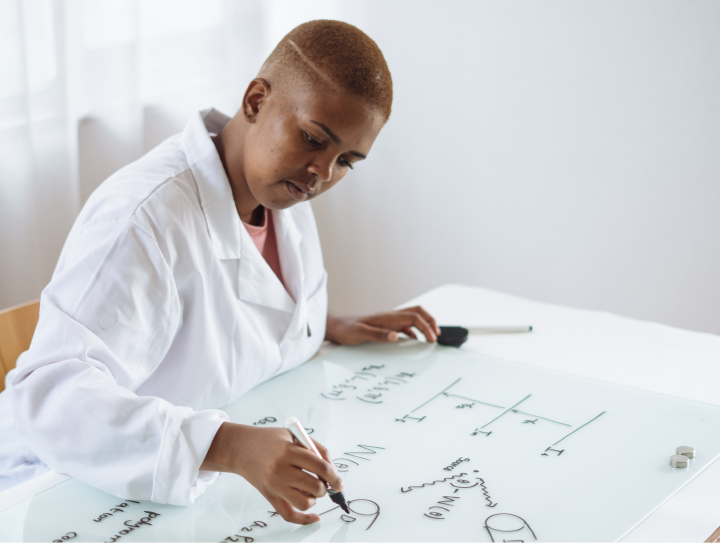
107, 319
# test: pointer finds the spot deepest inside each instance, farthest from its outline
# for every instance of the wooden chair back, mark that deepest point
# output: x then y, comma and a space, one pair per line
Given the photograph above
17, 326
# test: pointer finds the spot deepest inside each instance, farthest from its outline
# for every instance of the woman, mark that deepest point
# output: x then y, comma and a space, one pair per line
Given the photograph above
194, 274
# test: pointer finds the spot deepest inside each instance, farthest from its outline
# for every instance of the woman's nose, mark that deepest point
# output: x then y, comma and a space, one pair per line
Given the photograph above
321, 169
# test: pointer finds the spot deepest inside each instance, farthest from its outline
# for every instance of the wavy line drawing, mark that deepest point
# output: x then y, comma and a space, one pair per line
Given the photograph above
485, 491
430, 484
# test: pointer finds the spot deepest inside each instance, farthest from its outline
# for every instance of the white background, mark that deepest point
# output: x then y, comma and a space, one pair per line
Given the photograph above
562, 151
567, 152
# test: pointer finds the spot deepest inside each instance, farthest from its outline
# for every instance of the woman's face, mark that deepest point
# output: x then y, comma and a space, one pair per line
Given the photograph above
302, 142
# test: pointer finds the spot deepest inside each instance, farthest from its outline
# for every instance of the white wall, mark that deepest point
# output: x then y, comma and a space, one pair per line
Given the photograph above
558, 150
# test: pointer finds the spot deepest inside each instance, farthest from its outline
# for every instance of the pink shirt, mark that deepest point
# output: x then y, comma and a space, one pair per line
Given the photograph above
264, 238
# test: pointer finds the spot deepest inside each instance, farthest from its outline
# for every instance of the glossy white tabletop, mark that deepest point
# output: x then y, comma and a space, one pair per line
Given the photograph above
611, 348
585, 343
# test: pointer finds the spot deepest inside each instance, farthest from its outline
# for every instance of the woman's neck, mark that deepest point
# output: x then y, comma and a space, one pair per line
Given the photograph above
250, 211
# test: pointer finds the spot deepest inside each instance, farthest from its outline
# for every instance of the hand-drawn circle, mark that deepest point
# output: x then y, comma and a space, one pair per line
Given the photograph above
679, 461
363, 507
505, 522
352, 505
346, 518
686, 451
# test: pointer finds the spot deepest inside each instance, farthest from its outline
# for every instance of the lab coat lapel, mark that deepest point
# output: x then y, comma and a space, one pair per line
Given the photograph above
257, 283
288, 240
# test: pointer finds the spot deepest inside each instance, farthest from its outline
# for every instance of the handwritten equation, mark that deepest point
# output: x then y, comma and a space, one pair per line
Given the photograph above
375, 392
506, 527
358, 455
360, 507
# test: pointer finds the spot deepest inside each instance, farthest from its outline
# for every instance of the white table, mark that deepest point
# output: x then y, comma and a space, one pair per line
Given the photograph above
591, 344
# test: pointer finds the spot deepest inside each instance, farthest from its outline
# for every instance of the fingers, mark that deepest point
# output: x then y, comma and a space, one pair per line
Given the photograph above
326, 455
322, 449
286, 511
415, 318
373, 333
383, 327
308, 461
306, 483
299, 500
428, 317
403, 319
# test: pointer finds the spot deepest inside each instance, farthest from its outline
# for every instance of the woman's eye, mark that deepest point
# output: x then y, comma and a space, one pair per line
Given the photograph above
312, 141
346, 164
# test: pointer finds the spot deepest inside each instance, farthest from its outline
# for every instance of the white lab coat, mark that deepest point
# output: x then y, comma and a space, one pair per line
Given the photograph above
160, 311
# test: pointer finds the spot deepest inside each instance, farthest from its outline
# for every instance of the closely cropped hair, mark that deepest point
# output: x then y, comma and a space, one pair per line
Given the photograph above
334, 53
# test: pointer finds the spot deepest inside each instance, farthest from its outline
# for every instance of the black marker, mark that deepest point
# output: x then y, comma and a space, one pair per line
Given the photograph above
298, 432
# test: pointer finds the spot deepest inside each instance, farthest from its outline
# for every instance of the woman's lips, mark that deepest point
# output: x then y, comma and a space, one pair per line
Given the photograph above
298, 191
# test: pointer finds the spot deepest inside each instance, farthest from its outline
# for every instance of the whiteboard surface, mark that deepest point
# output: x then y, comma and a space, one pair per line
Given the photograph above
433, 444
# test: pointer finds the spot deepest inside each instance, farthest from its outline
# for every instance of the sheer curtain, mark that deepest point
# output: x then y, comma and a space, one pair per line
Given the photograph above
87, 86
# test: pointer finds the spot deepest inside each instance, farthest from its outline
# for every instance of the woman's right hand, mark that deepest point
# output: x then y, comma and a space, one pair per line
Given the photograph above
272, 462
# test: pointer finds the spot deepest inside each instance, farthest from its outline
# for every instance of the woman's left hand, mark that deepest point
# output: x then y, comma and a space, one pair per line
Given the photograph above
382, 327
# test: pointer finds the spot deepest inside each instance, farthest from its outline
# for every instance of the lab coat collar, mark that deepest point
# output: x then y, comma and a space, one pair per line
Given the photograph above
216, 199
257, 282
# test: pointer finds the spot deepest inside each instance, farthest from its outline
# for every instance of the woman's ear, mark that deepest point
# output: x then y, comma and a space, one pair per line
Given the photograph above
256, 95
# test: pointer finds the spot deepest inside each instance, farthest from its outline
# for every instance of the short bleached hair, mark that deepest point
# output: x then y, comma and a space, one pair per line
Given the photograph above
335, 54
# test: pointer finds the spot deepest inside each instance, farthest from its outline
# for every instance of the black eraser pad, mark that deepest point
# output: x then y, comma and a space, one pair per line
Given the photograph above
452, 336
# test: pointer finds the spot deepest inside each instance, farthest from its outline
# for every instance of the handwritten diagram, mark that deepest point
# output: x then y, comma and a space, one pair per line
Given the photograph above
452, 490
417, 415
559, 452
439, 509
